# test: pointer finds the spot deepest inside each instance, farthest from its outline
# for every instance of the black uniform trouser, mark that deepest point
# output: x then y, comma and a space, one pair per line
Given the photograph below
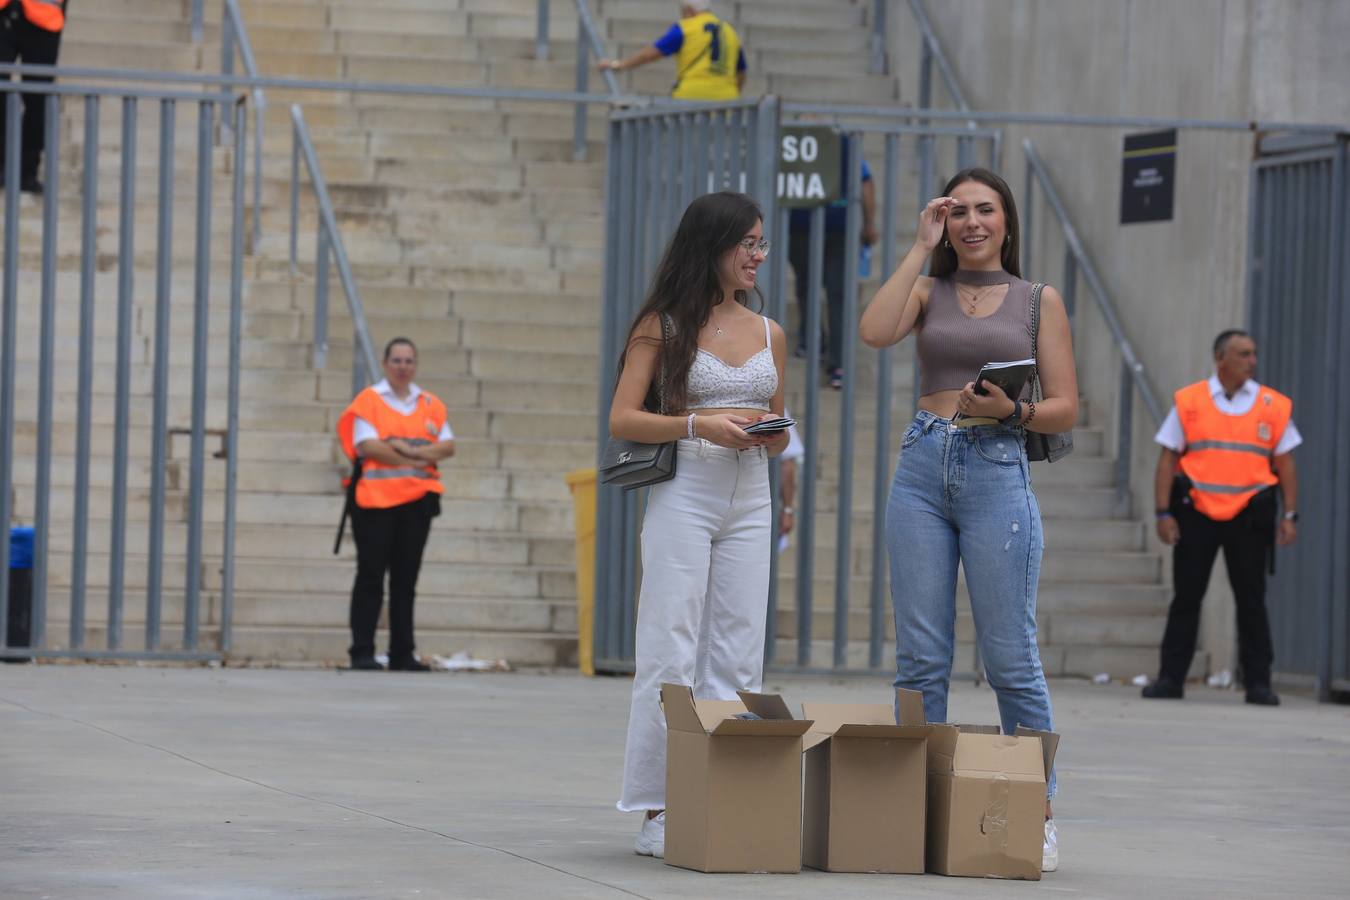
832, 273
388, 540
22, 41
1246, 543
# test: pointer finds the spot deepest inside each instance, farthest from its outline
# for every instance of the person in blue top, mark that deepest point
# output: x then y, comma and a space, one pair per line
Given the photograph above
836, 257
709, 58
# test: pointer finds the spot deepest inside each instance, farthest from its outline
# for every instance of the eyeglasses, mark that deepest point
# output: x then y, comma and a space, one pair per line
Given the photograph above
761, 246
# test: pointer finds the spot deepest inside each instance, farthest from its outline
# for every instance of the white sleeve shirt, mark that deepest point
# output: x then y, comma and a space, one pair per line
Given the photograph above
364, 431
1171, 435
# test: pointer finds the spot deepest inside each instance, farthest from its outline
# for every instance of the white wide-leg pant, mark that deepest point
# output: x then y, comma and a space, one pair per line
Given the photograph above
704, 598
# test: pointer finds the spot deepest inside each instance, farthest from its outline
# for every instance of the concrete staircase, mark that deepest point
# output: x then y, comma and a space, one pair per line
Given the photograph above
471, 231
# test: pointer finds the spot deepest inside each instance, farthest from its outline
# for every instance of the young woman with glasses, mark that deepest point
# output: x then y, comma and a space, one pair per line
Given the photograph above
706, 534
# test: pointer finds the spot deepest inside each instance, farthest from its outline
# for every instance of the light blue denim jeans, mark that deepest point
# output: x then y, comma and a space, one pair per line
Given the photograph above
964, 495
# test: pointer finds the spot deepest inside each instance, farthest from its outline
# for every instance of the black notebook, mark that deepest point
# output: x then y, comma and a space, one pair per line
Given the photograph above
768, 426
1010, 376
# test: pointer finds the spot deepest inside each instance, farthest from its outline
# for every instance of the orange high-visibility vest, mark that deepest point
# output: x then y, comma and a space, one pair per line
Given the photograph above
383, 486
1228, 458
49, 15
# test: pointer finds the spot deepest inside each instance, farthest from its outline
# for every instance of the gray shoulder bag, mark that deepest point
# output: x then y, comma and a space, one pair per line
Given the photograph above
1049, 447
630, 464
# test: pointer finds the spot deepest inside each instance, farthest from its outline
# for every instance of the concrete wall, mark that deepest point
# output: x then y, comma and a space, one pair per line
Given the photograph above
1175, 284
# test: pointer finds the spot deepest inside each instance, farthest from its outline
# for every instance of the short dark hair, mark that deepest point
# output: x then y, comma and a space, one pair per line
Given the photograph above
1221, 342
389, 347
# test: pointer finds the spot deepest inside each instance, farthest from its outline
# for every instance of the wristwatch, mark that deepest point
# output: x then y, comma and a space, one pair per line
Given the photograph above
1291, 515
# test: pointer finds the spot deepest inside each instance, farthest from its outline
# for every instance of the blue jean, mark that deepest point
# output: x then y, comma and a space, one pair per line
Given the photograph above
964, 495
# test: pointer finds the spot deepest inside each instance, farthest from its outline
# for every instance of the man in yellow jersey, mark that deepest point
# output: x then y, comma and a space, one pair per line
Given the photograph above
709, 59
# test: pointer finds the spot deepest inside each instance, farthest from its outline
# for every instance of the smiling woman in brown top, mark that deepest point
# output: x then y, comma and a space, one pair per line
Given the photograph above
962, 493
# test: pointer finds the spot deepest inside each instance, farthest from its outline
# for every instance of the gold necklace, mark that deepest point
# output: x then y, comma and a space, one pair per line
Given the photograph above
974, 298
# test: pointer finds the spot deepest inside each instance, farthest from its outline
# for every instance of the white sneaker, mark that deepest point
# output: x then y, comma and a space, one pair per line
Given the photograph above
651, 840
1050, 849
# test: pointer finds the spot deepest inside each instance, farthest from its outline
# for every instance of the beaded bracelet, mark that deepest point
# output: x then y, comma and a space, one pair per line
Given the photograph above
1031, 413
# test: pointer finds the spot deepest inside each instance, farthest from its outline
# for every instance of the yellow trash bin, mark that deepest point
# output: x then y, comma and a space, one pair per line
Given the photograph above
582, 484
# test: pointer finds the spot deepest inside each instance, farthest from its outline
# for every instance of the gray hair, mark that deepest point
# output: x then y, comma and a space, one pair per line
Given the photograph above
697, 5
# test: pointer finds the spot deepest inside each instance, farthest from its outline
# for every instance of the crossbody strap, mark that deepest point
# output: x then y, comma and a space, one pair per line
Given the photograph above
666, 328
1035, 333
679, 76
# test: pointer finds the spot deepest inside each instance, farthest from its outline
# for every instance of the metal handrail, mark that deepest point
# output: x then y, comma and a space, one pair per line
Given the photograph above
933, 52
396, 89
364, 361
878, 48
1084, 262
234, 32
589, 43
1132, 374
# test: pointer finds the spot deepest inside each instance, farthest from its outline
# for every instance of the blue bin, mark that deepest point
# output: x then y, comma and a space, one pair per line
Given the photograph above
20, 631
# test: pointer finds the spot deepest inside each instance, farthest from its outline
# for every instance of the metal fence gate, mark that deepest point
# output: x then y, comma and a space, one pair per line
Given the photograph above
89, 442
1297, 299
659, 161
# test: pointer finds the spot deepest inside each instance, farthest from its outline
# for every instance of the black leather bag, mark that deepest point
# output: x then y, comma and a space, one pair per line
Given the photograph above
630, 464
1049, 447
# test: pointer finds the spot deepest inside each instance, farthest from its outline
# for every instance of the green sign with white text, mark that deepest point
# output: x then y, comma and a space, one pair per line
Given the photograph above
809, 161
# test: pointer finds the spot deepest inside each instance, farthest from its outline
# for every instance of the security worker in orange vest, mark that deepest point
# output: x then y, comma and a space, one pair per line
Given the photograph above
30, 32
709, 60
399, 433
1226, 449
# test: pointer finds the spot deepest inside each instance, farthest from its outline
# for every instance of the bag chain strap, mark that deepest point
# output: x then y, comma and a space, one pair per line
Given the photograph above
1035, 331
661, 378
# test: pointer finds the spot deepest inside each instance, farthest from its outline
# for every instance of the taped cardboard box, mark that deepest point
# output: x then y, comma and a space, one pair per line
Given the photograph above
733, 786
865, 789
986, 800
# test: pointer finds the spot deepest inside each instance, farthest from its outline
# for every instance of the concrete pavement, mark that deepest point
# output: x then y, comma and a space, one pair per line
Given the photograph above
139, 782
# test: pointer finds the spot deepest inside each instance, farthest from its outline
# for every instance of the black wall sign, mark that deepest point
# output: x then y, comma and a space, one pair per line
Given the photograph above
1148, 177
808, 166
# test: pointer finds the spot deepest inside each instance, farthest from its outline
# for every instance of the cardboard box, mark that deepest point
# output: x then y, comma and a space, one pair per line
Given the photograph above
986, 800
865, 789
733, 787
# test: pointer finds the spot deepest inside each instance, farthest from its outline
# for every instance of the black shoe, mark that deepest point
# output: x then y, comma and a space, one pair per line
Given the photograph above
29, 184
1163, 689
408, 664
366, 664
1262, 696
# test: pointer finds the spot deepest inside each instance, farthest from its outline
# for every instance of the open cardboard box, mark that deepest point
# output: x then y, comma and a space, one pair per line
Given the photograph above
864, 793
733, 786
986, 798
864, 789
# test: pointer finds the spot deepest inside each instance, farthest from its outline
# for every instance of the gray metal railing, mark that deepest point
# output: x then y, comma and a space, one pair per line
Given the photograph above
1076, 262
328, 238
121, 529
234, 37
589, 46
878, 41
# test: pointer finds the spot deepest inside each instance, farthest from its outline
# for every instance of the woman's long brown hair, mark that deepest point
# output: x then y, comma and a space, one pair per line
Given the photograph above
686, 287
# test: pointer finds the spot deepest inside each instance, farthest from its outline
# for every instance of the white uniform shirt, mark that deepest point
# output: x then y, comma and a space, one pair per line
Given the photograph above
364, 431
795, 449
1171, 435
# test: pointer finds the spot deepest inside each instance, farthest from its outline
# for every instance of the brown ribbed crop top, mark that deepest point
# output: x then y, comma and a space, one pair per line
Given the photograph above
953, 347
